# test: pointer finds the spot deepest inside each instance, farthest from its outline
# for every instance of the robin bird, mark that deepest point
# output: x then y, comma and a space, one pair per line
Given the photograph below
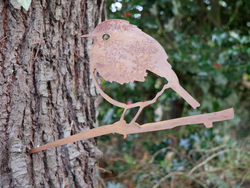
123, 53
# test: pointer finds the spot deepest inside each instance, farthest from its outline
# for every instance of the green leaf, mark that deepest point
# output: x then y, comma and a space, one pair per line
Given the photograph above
220, 78
25, 4
129, 159
108, 116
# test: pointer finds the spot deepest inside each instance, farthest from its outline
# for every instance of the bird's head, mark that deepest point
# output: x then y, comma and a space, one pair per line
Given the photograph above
120, 51
107, 29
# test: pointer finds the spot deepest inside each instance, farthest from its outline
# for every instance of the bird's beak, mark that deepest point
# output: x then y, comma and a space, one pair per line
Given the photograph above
88, 35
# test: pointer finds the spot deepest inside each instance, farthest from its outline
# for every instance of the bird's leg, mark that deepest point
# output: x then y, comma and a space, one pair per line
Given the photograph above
144, 104
136, 116
123, 114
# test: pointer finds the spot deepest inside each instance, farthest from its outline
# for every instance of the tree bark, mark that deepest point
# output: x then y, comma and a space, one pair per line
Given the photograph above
44, 87
215, 14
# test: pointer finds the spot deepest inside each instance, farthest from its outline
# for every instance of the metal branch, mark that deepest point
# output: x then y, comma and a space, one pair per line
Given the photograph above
121, 127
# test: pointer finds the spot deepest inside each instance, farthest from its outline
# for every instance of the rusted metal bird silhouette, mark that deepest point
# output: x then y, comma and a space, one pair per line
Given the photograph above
123, 53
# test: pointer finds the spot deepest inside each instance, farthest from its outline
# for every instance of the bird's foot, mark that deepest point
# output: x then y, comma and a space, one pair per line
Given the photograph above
135, 124
124, 124
122, 121
120, 127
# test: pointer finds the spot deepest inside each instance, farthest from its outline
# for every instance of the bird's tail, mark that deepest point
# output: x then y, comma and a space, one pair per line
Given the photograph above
185, 95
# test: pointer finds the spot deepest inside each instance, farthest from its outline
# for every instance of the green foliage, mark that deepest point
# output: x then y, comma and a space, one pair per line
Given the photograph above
25, 4
129, 159
208, 44
208, 60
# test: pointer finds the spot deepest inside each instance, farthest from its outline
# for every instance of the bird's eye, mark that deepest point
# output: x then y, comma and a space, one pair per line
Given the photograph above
105, 37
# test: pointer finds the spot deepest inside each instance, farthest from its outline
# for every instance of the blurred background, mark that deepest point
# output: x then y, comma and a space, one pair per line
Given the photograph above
208, 44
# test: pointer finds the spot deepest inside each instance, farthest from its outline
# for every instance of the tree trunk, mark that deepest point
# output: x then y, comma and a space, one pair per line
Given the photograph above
215, 13
44, 87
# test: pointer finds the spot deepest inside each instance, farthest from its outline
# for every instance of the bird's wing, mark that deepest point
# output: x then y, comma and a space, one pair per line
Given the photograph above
147, 52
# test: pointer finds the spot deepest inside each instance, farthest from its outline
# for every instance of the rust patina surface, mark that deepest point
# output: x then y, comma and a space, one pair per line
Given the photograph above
123, 53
